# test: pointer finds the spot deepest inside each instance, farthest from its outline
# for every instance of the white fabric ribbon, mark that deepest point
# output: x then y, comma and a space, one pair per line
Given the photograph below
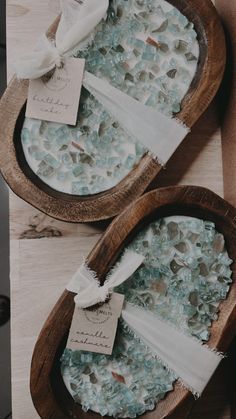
158, 133
76, 23
89, 290
192, 362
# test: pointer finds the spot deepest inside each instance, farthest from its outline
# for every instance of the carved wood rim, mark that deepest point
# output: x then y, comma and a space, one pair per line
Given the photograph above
66, 207
50, 396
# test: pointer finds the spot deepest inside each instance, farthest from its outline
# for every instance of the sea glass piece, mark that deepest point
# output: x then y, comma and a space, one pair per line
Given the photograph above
148, 50
185, 275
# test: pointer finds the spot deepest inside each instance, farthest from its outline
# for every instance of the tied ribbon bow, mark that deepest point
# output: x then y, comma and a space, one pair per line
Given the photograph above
76, 23
91, 292
190, 361
159, 134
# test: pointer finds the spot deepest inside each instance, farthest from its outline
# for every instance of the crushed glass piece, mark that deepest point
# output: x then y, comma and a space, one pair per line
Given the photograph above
145, 48
183, 288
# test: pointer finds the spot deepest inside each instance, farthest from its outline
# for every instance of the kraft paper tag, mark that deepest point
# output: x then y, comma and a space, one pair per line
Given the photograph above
56, 98
94, 329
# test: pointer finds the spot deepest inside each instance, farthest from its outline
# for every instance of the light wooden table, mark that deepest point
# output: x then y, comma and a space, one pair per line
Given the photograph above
46, 252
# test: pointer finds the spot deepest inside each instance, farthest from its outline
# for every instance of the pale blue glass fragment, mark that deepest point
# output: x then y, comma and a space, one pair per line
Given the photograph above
183, 284
145, 48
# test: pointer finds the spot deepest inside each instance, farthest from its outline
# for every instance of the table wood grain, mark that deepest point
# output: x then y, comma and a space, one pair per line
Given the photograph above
45, 252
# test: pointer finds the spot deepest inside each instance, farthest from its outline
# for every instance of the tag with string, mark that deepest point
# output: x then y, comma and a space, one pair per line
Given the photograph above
55, 97
97, 307
192, 362
94, 329
55, 77
159, 134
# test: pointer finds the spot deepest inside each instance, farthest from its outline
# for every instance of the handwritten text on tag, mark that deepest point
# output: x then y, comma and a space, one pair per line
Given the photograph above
56, 98
94, 330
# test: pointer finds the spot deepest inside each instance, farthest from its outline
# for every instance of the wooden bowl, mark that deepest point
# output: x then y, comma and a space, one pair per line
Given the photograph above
66, 207
49, 394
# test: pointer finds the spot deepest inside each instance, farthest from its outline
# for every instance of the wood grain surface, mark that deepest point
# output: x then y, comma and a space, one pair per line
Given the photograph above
49, 394
46, 252
104, 205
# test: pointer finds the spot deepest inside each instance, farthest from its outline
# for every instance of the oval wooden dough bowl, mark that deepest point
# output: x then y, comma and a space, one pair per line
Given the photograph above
50, 396
66, 207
